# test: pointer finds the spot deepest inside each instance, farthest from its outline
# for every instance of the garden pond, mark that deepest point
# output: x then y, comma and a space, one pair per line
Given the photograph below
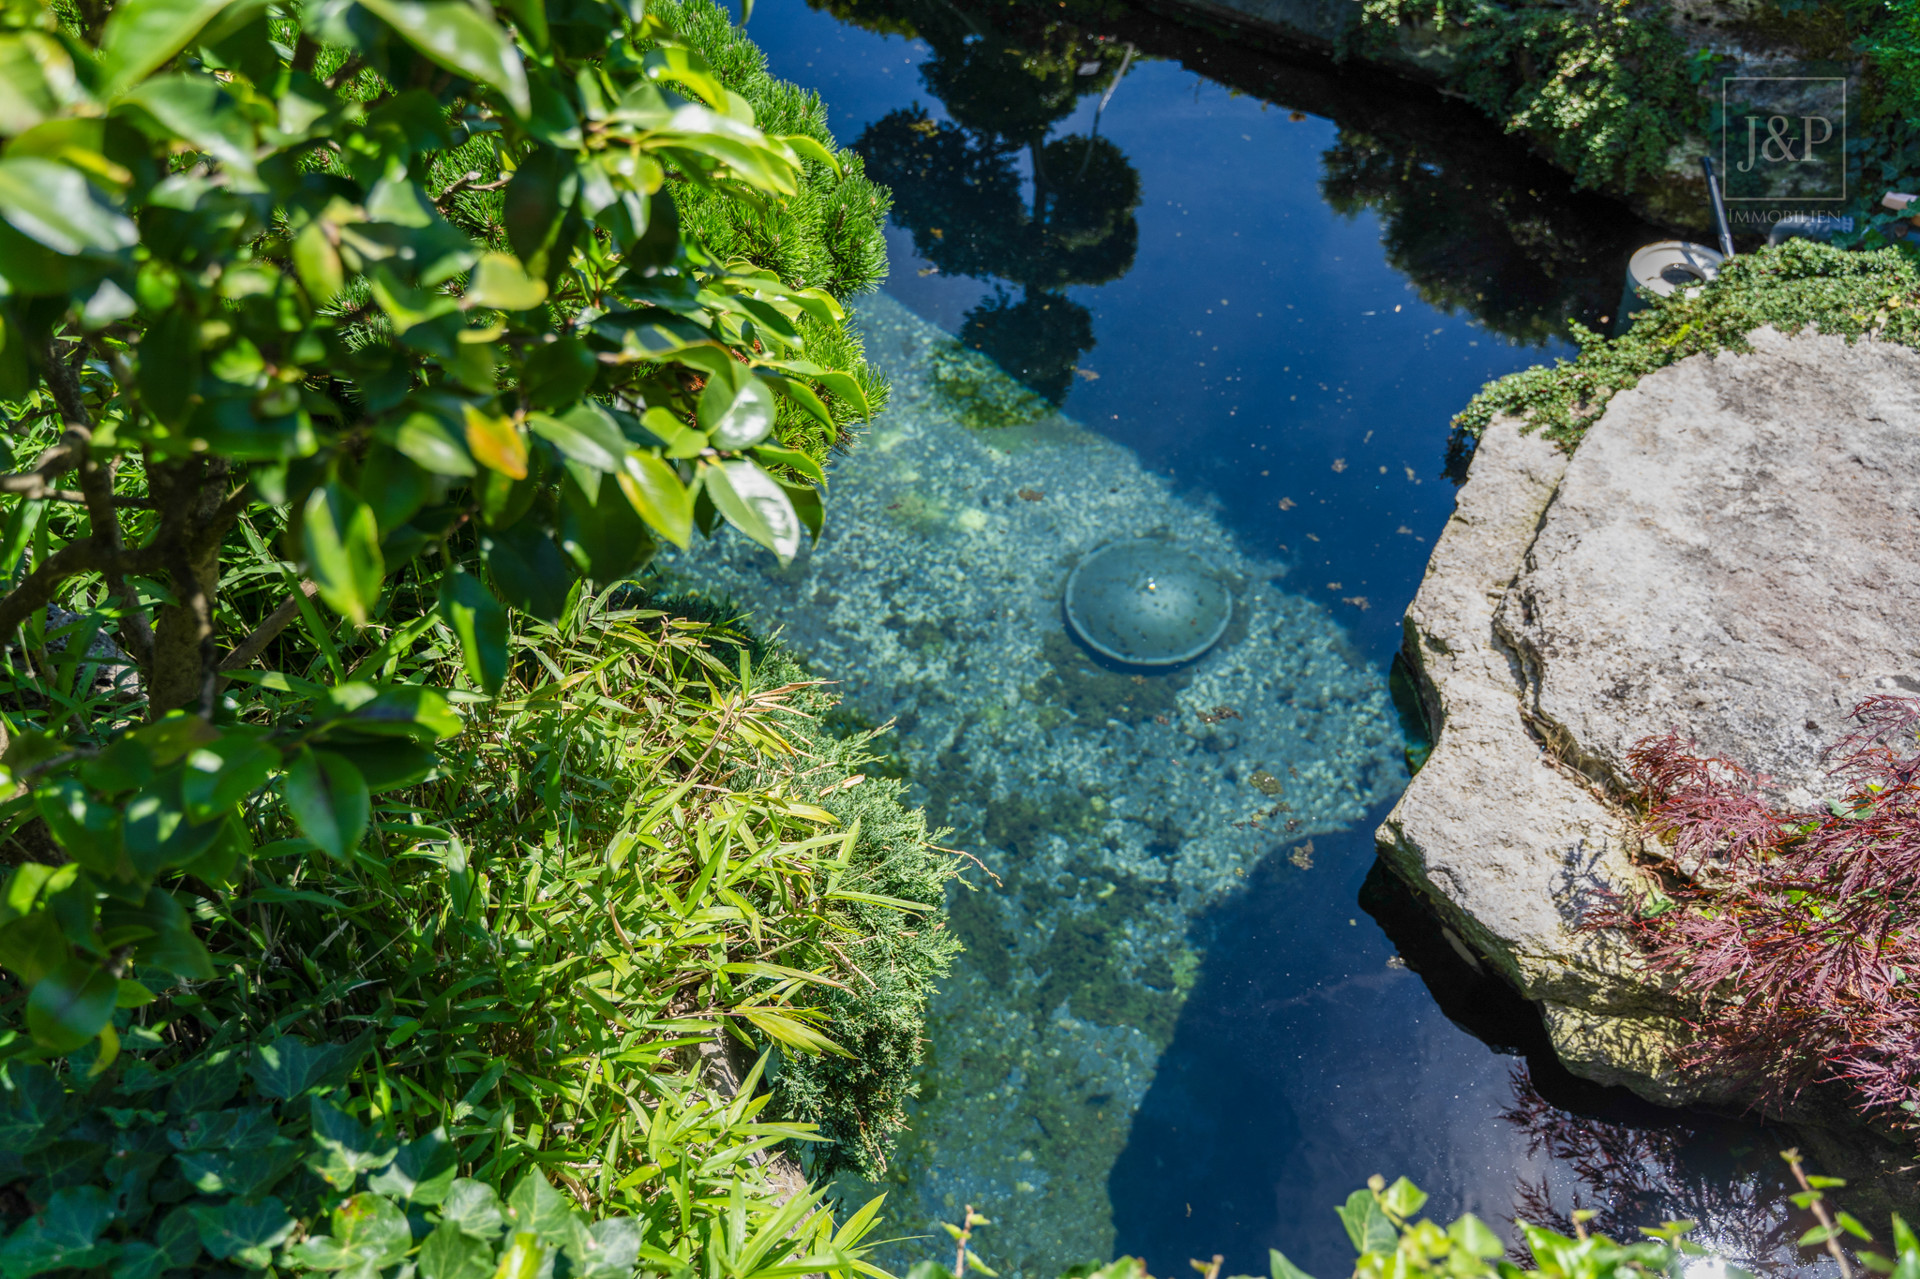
1147, 286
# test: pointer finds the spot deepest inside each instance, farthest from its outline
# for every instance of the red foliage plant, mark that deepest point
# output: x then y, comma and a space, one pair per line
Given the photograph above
1797, 933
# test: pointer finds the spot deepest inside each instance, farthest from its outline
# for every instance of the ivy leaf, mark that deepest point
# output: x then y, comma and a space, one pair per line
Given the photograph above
1283, 1269
1367, 1226
450, 1253
755, 503
421, 1173
609, 1249
70, 1004
288, 1066
462, 39
243, 1232
329, 799
342, 540
64, 1234
1403, 1199
1470, 1233
346, 1147
474, 1208
539, 1208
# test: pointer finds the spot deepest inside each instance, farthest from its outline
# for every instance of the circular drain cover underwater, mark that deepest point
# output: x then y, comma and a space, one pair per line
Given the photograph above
1147, 604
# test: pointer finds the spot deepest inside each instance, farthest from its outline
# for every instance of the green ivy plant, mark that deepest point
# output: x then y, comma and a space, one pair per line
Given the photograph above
246, 291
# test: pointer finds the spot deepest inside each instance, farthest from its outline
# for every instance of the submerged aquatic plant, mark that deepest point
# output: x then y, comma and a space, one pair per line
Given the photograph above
1795, 931
979, 394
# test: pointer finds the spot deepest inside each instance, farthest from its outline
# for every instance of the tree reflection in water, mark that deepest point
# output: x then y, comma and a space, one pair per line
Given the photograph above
1632, 1175
1479, 225
959, 189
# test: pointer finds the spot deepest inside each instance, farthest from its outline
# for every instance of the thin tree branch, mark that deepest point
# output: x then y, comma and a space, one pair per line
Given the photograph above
77, 498
278, 620
71, 560
96, 485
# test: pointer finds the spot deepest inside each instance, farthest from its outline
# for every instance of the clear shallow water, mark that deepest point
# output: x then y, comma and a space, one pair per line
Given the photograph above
1189, 1022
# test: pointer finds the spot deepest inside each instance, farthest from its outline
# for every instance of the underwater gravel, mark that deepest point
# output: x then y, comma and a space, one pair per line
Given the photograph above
1115, 809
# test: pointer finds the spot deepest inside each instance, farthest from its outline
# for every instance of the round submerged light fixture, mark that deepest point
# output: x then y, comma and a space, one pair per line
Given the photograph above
1145, 603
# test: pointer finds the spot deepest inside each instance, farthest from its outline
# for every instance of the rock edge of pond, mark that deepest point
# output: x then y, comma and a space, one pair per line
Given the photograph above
1732, 554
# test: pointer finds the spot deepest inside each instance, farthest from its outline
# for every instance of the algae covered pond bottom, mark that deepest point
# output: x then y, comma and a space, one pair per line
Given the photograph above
1109, 810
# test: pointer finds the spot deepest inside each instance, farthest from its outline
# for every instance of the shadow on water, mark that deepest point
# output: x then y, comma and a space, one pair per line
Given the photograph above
1322, 1044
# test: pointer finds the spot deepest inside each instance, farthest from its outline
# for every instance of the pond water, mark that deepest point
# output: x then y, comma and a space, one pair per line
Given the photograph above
1146, 287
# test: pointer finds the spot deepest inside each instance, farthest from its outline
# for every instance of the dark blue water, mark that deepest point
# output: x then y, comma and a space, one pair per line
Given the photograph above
1281, 312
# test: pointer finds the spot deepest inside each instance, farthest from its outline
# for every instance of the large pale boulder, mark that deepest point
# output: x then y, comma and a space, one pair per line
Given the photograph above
1733, 552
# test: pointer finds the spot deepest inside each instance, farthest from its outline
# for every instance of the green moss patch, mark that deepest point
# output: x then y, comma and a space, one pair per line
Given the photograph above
975, 389
1795, 286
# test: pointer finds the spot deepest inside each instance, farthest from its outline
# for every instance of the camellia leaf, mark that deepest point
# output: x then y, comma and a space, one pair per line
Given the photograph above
496, 442
317, 262
54, 204
342, 540
70, 1004
221, 774
500, 282
529, 570
656, 492
558, 373
329, 799
463, 40
141, 36
480, 622
585, 434
753, 502
745, 419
